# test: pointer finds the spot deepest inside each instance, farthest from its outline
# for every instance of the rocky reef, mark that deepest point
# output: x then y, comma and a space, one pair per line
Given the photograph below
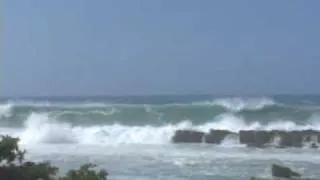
251, 138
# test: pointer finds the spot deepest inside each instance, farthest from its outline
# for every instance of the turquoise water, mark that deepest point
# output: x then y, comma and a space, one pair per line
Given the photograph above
131, 136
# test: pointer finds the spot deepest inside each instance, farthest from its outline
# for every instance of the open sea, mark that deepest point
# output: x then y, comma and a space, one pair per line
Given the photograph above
131, 136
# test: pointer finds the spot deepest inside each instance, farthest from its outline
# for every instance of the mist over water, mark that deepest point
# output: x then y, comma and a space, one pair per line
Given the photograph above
109, 131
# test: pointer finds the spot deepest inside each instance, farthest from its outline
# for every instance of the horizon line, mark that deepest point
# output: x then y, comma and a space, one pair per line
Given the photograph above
157, 95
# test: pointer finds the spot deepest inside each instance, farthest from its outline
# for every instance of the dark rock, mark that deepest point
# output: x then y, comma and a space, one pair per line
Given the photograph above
283, 172
306, 138
256, 138
286, 139
247, 137
314, 145
263, 137
310, 136
216, 136
187, 136
297, 138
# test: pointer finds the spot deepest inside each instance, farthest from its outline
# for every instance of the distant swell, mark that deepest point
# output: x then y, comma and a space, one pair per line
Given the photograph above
239, 104
262, 110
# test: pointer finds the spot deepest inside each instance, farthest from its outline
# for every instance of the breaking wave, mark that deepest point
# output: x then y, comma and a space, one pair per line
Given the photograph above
239, 104
40, 128
5, 110
147, 123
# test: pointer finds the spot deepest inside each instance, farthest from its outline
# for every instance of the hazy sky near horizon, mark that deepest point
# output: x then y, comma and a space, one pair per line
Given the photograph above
121, 47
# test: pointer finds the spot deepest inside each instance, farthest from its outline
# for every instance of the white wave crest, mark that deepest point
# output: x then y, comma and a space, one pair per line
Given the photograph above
238, 104
39, 128
6, 110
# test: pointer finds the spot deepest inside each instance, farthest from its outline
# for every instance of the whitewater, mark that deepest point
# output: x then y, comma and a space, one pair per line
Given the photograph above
132, 137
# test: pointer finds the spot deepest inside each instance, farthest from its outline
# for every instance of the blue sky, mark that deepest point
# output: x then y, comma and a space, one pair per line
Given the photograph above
125, 47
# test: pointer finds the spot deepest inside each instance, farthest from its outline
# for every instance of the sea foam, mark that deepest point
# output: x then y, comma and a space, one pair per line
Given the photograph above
39, 128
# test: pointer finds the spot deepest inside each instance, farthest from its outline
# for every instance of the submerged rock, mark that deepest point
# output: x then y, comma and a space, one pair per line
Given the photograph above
314, 145
277, 178
283, 172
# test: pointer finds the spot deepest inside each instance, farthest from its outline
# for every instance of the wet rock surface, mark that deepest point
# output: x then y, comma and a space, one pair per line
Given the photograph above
283, 173
188, 136
216, 136
275, 138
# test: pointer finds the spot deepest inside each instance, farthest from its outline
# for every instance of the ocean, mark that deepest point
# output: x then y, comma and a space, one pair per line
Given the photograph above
131, 136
